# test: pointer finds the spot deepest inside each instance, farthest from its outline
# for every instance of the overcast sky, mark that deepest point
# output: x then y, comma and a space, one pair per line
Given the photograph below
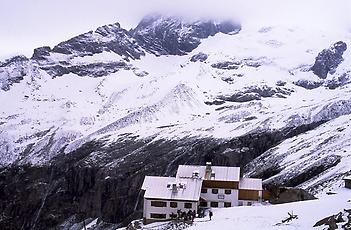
26, 24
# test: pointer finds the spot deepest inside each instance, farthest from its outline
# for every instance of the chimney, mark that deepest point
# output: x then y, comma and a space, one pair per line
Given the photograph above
208, 171
208, 167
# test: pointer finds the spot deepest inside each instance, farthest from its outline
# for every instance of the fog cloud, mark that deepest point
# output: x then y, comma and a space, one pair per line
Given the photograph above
26, 24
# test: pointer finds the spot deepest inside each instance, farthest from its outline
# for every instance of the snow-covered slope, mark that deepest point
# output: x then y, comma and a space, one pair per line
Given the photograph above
271, 216
324, 151
109, 82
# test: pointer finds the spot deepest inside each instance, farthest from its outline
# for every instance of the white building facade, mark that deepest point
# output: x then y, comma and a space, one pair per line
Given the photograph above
197, 187
164, 196
218, 197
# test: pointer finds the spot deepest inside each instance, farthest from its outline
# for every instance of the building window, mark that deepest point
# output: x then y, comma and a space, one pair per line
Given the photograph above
158, 204
214, 191
240, 203
227, 204
214, 204
228, 191
203, 204
173, 204
157, 216
249, 203
204, 190
188, 205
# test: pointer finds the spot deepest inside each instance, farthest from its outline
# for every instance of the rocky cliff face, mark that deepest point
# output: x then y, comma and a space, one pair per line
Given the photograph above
172, 36
155, 34
112, 38
329, 59
106, 38
12, 71
103, 181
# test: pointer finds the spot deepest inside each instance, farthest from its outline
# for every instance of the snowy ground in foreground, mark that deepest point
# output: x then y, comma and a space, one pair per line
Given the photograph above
266, 217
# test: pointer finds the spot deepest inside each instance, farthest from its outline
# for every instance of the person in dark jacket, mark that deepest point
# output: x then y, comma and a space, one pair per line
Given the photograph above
210, 214
184, 216
189, 214
179, 214
193, 216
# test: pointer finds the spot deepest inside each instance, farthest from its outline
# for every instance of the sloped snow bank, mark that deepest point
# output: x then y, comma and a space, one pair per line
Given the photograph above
268, 216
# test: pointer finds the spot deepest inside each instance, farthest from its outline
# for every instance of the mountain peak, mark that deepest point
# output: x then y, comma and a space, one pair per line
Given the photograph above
171, 35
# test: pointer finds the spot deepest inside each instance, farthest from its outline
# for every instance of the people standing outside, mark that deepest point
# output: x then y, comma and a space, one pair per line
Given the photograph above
193, 216
210, 214
179, 214
189, 214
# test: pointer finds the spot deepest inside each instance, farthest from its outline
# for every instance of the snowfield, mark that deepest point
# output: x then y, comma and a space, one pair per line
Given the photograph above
268, 216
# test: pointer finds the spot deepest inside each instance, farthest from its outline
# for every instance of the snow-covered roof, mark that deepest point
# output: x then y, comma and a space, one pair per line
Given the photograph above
222, 173
347, 178
250, 184
161, 188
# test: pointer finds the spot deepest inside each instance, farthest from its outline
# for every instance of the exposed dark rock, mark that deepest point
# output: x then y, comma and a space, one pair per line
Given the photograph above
173, 36
250, 118
227, 65
332, 221
256, 93
56, 70
342, 80
215, 102
106, 38
329, 59
92, 70
281, 83
13, 71
201, 57
14, 60
241, 97
235, 64
228, 79
287, 195
308, 84
41, 52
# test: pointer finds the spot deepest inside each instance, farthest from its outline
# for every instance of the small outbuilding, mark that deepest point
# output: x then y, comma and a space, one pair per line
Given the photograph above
347, 182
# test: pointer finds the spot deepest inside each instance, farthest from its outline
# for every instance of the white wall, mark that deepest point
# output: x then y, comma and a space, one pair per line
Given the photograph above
247, 202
